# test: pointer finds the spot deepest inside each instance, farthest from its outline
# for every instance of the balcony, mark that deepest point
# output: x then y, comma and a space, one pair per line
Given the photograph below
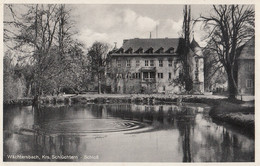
148, 68
148, 80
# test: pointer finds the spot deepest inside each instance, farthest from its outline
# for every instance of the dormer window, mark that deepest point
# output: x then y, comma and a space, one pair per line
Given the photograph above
170, 50
140, 50
130, 50
160, 50
121, 50
150, 50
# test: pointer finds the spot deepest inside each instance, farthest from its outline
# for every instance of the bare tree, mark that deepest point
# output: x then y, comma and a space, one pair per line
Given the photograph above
230, 27
43, 34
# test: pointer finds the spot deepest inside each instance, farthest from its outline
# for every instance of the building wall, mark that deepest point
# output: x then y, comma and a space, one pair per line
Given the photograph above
129, 84
196, 64
134, 85
246, 74
246, 68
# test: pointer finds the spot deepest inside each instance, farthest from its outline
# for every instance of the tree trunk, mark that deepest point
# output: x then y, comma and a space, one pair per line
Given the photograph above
232, 88
99, 84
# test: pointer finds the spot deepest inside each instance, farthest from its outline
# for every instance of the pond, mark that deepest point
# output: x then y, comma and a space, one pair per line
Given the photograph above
121, 133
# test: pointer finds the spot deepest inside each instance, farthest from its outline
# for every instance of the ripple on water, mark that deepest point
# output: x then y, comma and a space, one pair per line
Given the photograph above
84, 126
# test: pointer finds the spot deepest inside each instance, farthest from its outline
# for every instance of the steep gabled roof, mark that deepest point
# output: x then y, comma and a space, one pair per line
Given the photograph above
156, 44
194, 44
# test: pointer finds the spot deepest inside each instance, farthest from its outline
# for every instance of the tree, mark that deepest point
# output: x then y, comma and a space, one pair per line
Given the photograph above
230, 27
44, 34
184, 50
214, 72
98, 60
14, 83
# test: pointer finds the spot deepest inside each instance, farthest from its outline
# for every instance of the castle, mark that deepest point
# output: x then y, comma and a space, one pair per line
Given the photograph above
153, 66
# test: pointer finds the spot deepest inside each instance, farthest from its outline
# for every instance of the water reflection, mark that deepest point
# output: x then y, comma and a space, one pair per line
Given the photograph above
122, 133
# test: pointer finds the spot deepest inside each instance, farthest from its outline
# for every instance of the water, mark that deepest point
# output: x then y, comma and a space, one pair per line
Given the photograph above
124, 133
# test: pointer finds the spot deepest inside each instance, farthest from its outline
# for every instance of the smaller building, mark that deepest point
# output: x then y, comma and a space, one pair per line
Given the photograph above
246, 68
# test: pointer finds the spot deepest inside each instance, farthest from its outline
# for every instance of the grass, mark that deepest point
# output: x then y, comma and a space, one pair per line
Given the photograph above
233, 112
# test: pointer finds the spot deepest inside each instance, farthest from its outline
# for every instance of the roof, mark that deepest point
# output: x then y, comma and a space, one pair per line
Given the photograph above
194, 44
155, 43
247, 51
195, 47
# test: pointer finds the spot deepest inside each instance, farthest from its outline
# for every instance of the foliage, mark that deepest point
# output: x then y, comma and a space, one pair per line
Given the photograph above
184, 49
98, 60
14, 84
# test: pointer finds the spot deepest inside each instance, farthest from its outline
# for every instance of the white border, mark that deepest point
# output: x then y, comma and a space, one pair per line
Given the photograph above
257, 81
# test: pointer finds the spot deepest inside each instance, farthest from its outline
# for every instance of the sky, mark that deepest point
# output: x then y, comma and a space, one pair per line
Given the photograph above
112, 23
116, 22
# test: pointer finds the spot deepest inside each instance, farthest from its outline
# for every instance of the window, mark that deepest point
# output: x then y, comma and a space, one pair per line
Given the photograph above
138, 75
145, 74
118, 63
146, 62
160, 63
170, 63
163, 88
170, 75
137, 63
128, 63
152, 75
160, 75
151, 62
133, 75
249, 83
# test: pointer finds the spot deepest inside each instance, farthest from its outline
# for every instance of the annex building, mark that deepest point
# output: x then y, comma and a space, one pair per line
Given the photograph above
246, 68
153, 66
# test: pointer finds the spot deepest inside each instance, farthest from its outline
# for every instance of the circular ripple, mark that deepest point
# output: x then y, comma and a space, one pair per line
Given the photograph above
90, 126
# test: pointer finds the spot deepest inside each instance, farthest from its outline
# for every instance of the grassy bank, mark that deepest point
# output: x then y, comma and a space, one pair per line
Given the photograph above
235, 114
23, 101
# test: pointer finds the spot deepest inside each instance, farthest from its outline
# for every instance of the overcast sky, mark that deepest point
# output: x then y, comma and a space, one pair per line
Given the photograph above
113, 23
116, 22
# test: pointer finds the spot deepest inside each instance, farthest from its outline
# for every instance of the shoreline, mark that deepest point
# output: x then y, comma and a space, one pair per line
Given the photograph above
237, 113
